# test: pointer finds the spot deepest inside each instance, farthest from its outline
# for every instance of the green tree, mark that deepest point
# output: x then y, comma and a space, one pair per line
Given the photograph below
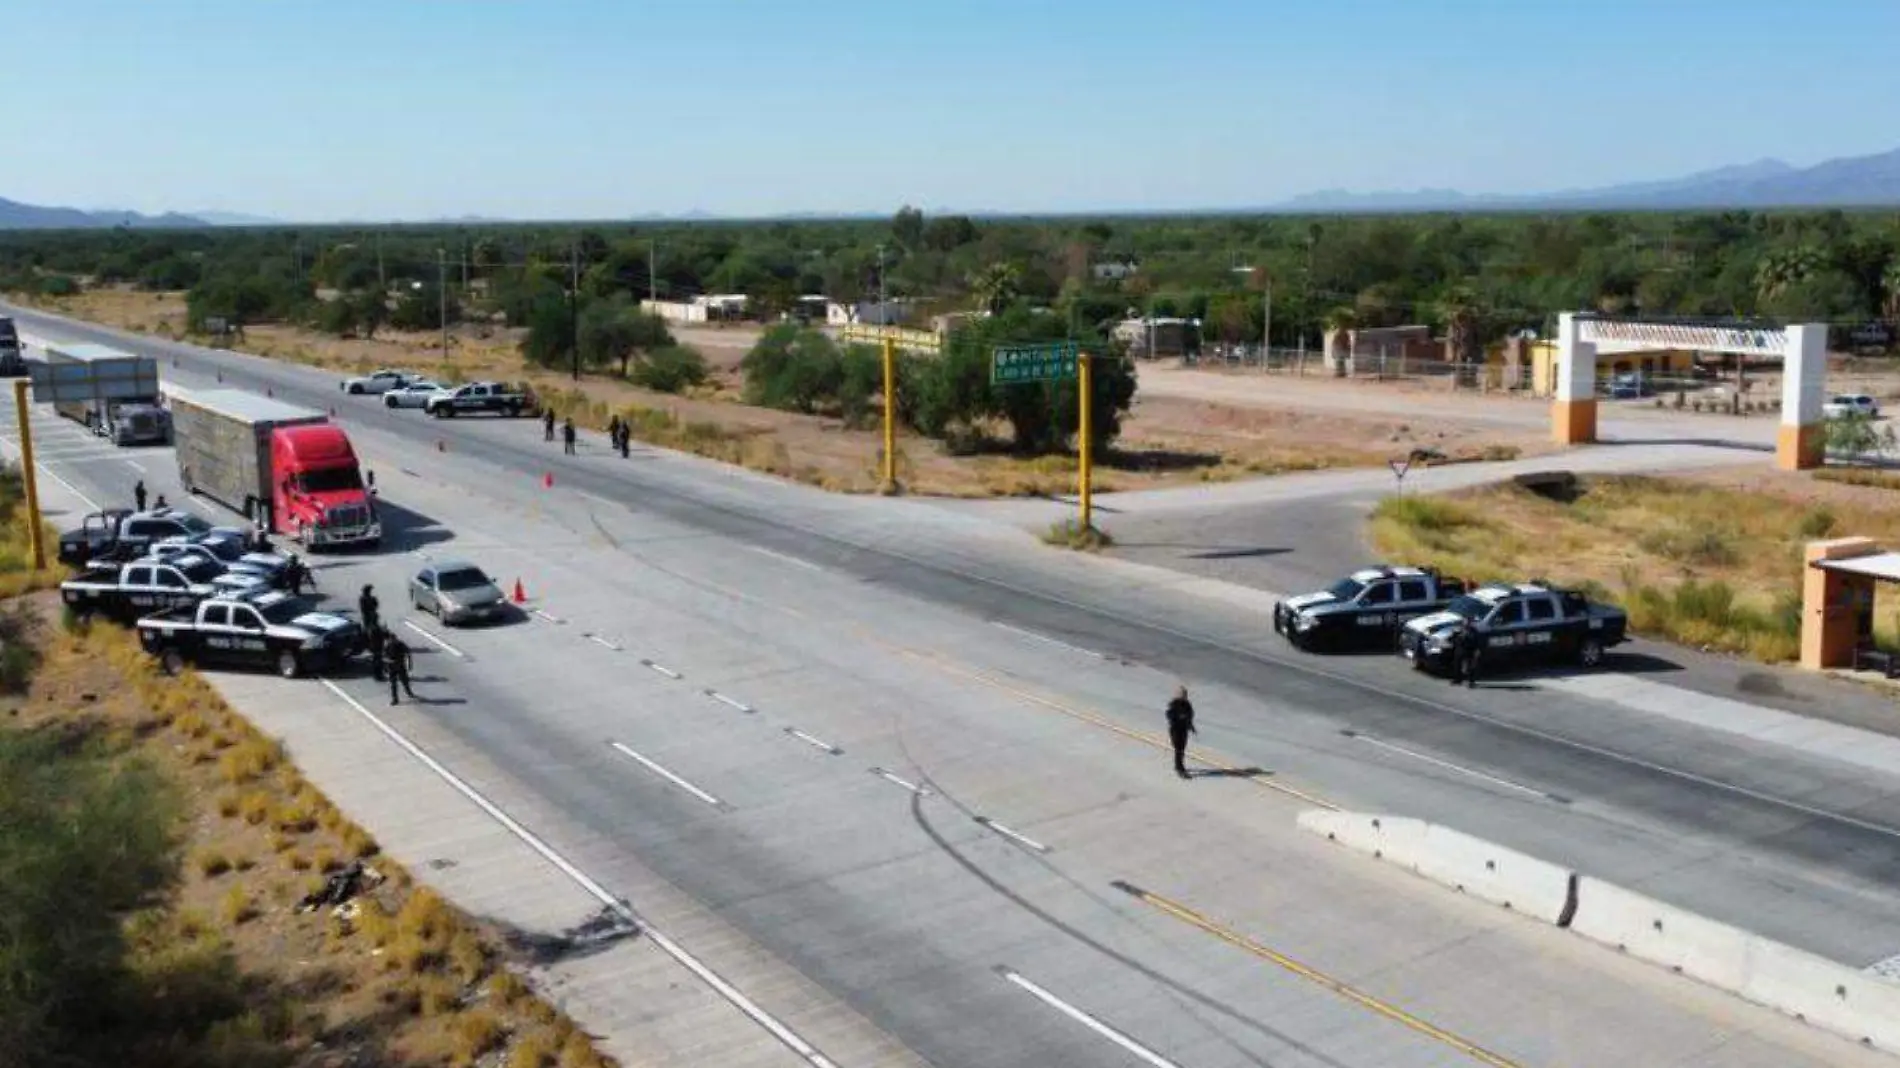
422, 307
1779, 271
671, 369
947, 233
370, 310
1856, 435
1890, 292
615, 331
907, 227
793, 368
1464, 320
549, 341
996, 287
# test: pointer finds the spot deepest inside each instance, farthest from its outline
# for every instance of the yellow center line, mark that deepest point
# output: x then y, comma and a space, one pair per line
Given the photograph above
1343, 989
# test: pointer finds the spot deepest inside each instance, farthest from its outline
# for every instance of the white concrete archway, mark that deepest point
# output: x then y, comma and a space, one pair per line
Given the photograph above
1800, 442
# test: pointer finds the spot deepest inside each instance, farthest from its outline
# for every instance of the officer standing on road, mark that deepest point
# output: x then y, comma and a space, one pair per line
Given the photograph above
396, 662
613, 432
567, 435
297, 573
547, 424
138, 495
1180, 725
626, 439
368, 608
1466, 651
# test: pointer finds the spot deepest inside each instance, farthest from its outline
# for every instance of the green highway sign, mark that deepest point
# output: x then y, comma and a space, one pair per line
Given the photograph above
1019, 364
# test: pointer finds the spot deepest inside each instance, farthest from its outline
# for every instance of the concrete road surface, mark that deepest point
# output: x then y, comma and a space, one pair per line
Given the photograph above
884, 783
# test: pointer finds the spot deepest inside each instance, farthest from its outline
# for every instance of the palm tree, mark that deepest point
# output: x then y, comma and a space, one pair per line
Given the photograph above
1780, 270
1463, 319
996, 287
1890, 292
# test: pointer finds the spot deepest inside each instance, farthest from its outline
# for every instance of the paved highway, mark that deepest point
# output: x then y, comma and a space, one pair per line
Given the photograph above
906, 758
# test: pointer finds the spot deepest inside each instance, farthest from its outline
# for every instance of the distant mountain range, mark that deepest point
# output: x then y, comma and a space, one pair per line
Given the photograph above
17, 216
1851, 182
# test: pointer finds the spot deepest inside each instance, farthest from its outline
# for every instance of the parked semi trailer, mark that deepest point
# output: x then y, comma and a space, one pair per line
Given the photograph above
113, 394
286, 466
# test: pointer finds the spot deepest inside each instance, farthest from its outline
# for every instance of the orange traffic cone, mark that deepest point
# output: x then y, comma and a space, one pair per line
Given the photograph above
547, 480
521, 595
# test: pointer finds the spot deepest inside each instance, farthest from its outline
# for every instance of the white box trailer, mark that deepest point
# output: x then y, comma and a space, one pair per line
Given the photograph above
87, 383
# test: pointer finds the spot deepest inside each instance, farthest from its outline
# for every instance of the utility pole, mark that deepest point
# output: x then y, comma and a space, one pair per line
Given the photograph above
574, 306
382, 279
465, 252
882, 300
442, 297
653, 280
1266, 330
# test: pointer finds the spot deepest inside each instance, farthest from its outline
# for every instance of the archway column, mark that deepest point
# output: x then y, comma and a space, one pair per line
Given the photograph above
1573, 415
1801, 440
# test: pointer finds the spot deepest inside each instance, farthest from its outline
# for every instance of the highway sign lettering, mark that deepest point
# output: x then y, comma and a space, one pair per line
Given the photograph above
1019, 364
912, 340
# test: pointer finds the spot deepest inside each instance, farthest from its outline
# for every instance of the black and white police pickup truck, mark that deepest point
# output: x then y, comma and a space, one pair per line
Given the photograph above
96, 533
226, 548
130, 590
477, 397
1518, 624
269, 629
1365, 609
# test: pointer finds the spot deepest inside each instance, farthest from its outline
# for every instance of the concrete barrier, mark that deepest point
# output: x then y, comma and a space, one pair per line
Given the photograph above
1854, 1004
1470, 865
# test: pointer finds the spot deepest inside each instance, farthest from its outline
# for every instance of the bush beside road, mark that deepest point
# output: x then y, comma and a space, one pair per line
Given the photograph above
1708, 565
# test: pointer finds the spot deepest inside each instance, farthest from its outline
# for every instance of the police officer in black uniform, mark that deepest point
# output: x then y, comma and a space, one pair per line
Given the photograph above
567, 436
1180, 725
547, 424
1466, 651
138, 495
369, 609
396, 661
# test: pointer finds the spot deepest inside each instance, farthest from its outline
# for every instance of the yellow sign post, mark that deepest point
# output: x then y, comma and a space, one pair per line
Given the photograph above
1085, 447
890, 415
27, 473
890, 339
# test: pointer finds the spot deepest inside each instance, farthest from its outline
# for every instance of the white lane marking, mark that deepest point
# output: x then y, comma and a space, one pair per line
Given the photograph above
920, 791
70, 488
598, 499
815, 743
444, 646
1045, 638
793, 560
549, 618
620, 906
670, 777
598, 640
724, 700
668, 672
1140, 1052
1007, 833
1459, 768
136, 466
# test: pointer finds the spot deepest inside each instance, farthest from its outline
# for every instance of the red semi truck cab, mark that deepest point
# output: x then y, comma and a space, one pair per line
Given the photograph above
318, 493
266, 459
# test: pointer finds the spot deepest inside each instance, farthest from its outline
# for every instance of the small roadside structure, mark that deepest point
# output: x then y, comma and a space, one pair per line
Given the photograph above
1837, 605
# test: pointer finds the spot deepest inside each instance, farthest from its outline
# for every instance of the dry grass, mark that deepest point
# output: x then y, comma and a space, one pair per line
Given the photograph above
1860, 476
1706, 565
310, 989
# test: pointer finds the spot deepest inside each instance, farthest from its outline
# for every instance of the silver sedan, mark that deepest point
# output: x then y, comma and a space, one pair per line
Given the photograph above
457, 592
410, 396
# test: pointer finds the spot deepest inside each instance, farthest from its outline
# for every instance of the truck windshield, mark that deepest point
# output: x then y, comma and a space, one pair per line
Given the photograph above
1346, 589
192, 524
199, 571
332, 480
1468, 607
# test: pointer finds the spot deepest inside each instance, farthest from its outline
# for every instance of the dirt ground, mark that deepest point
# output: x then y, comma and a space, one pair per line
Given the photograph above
397, 977
1166, 439
1641, 540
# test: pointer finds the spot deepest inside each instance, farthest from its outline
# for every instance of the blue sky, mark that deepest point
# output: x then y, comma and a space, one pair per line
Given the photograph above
595, 108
